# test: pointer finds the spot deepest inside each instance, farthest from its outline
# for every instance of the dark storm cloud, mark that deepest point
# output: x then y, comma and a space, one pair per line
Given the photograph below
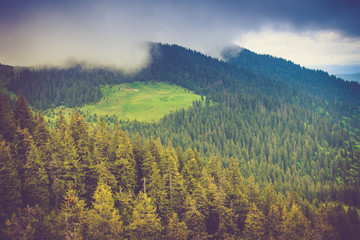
110, 31
341, 15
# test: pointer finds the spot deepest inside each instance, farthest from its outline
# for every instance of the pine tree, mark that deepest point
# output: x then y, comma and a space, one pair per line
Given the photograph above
36, 184
41, 133
22, 146
104, 218
23, 116
139, 156
125, 203
254, 224
173, 182
194, 220
146, 224
64, 168
79, 131
123, 166
176, 230
72, 217
10, 189
273, 222
7, 125
295, 225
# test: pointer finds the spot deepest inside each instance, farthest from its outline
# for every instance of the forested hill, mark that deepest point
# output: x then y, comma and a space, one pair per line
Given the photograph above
264, 156
48, 88
313, 82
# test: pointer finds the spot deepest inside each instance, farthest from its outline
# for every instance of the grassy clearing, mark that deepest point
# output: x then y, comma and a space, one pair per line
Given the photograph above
144, 102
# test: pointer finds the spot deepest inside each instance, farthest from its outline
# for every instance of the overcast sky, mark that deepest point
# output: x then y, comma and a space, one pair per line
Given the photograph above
313, 33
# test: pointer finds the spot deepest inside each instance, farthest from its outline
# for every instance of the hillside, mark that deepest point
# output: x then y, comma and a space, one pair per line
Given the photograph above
273, 125
316, 83
355, 77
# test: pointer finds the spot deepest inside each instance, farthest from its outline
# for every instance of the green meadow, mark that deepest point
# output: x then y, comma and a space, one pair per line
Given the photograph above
146, 102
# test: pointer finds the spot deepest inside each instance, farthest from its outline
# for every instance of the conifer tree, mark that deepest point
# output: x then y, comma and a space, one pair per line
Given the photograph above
155, 188
176, 230
10, 189
295, 225
41, 133
36, 185
64, 168
139, 156
173, 181
79, 131
23, 116
7, 124
254, 224
123, 167
146, 224
194, 220
22, 145
273, 222
125, 203
72, 217
104, 218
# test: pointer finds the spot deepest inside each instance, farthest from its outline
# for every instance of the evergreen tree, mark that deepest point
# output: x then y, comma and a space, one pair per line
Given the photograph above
123, 167
146, 224
10, 190
125, 203
194, 220
36, 186
176, 230
23, 116
64, 168
273, 222
104, 218
41, 133
254, 224
22, 146
72, 217
295, 225
139, 156
7, 125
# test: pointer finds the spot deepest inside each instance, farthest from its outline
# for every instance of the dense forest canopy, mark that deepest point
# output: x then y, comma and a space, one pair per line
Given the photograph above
272, 152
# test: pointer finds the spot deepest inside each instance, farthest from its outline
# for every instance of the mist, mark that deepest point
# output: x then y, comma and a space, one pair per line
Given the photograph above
100, 35
114, 34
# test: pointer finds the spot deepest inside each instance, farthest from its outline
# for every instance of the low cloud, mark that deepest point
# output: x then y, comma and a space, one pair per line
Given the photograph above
114, 33
310, 48
58, 39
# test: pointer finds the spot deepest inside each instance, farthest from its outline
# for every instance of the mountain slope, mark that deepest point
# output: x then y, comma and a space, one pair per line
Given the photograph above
313, 82
350, 77
284, 129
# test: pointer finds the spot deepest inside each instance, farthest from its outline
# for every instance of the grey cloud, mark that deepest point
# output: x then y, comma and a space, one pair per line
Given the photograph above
110, 32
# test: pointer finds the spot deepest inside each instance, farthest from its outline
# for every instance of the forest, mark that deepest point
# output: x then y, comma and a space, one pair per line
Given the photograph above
272, 152
74, 182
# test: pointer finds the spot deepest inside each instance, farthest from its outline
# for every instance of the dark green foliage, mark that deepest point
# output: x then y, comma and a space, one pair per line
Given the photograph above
7, 125
23, 116
10, 190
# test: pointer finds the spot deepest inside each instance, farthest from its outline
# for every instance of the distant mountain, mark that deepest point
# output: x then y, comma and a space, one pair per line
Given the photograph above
316, 83
355, 77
